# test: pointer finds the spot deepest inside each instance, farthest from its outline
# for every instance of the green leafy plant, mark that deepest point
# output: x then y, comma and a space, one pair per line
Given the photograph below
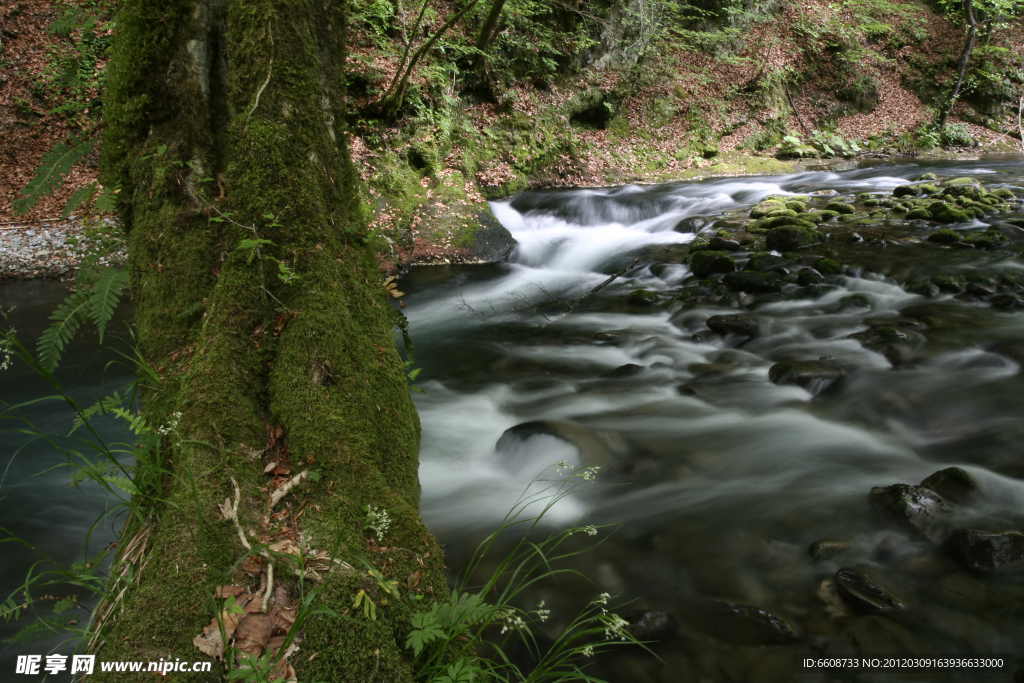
55, 164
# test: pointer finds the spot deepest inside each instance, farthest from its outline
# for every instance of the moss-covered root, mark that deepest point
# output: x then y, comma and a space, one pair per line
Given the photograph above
232, 110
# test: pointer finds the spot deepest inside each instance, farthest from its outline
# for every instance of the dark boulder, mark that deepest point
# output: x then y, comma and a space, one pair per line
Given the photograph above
722, 244
964, 187
913, 509
692, 224
788, 238
752, 282
642, 297
953, 484
650, 625
988, 550
864, 593
627, 370
733, 324
824, 550
764, 262
705, 263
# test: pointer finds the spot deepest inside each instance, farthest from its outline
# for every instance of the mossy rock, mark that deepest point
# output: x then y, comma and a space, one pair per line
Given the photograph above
991, 201
765, 207
812, 216
788, 238
948, 283
781, 212
752, 282
963, 187
873, 203
704, 263
928, 188
855, 301
990, 239
642, 297
906, 191
928, 176
914, 214
944, 213
700, 246
808, 276
1003, 193
779, 221
827, 266
926, 289
1007, 302
899, 208
944, 236
828, 214
840, 207
764, 262
794, 205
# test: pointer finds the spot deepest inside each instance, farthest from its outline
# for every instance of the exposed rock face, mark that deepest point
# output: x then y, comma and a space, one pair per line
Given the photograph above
988, 550
915, 510
954, 484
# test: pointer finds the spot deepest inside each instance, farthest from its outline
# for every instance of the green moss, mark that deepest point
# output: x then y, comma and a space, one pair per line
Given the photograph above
944, 236
948, 283
704, 263
828, 266
752, 282
788, 238
840, 207
642, 297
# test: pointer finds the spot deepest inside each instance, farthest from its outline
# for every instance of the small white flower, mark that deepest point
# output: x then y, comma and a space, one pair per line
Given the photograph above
587, 651
542, 613
588, 473
602, 599
379, 521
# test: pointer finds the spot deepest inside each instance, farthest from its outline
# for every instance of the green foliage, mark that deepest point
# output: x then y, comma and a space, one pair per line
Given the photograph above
49, 176
96, 302
958, 135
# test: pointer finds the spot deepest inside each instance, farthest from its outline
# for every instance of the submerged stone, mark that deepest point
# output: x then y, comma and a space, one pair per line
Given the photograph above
927, 289
722, 244
824, 550
650, 625
912, 509
954, 484
948, 284
1007, 302
906, 191
864, 593
808, 276
627, 370
733, 324
988, 550
763, 262
813, 375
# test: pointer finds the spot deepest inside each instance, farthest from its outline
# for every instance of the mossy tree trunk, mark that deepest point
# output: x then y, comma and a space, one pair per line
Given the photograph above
240, 104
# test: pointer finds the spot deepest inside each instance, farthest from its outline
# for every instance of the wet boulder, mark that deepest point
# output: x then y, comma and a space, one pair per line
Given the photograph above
733, 324
927, 289
766, 207
913, 509
814, 375
642, 297
1009, 230
988, 550
763, 262
752, 282
928, 176
919, 214
864, 593
808, 276
827, 266
906, 191
945, 213
789, 238
705, 263
877, 336
722, 244
948, 283
990, 239
627, 370
739, 624
606, 337
1007, 302
825, 550
953, 484
963, 187
688, 225
944, 236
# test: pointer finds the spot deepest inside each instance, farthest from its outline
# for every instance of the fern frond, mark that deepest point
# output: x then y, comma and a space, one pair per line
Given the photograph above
102, 406
137, 423
105, 295
78, 197
122, 482
54, 166
40, 629
68, 317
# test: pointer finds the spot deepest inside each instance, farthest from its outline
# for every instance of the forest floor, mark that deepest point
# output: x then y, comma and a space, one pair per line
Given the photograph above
692, 114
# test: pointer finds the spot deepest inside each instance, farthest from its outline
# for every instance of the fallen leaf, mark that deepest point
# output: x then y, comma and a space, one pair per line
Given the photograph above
228, 591
284, 672
286, 546
253, 633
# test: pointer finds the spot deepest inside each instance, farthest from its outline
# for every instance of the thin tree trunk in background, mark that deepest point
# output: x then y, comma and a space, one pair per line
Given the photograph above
486, 35
251, 92
962, 65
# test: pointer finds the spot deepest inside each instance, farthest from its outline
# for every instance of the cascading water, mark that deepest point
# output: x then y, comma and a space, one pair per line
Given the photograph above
721, 477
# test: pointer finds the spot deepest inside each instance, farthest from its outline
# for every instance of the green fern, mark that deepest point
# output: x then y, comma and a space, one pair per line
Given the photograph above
105, 296
71, 20
107, 404
82, 195
50, 175
68, 317
39, 630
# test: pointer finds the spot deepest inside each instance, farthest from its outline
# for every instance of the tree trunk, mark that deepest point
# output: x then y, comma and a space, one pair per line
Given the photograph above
483, 39
247, 96
962, 65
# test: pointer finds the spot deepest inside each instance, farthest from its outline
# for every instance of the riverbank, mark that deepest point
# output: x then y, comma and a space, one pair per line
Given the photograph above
51, 249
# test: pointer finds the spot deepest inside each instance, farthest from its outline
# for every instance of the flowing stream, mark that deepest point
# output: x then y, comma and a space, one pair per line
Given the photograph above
721, 479
715, 481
